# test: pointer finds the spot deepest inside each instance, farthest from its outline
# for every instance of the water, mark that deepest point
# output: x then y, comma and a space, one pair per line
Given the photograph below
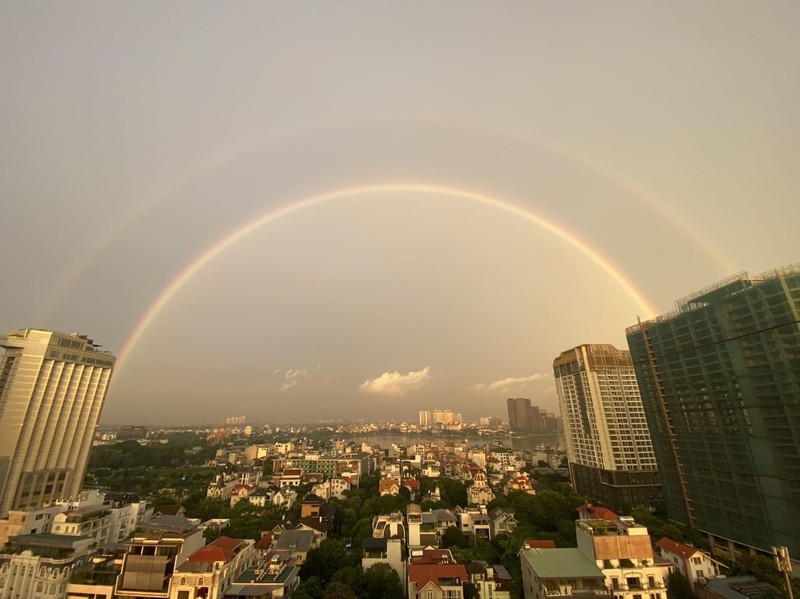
385, 440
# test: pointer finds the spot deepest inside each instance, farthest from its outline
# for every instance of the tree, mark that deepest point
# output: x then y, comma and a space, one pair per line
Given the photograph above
324, 561
381, 582
453, 537
339, 590
678, 587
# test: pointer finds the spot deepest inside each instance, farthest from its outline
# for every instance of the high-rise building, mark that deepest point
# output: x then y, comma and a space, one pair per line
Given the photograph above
519, 413
720, 384
425, 418
610, 454
52, 388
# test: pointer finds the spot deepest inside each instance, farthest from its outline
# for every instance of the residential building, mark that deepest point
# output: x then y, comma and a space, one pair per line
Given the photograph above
211, 570
278, 577
697, 566
474, 522
93, 521
425, 418
719, 378
491, 581
386, 526
564, 573
153, 555
52, 389
611, 458
296, 544
28, 521
623, 551
39, 565
503, 520
436, 575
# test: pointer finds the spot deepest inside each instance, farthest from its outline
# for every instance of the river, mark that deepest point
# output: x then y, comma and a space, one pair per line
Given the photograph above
385, 440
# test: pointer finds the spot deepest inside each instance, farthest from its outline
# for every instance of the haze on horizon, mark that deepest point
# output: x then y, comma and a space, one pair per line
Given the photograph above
136, 136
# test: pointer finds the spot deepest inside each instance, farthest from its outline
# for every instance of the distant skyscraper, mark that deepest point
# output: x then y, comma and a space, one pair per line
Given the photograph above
720, 383
519, 413
52, 388
425, 418
609, 450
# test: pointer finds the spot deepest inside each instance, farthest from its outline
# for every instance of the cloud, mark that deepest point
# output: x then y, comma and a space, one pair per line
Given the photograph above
507, 384
291, 378
396, 384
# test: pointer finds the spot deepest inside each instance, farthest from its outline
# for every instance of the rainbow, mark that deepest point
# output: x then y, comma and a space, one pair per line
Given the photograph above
231, 239
95, 247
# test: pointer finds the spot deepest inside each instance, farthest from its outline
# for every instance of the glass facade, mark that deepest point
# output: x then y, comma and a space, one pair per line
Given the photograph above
720, 384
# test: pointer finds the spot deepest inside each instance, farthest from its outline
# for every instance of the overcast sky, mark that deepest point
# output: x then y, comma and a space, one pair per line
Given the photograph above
658, 139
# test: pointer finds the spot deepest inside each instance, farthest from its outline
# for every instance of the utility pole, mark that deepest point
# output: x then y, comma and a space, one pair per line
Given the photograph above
781, 555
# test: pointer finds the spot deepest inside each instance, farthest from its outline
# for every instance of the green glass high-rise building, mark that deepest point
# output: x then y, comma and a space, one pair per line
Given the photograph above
720, 384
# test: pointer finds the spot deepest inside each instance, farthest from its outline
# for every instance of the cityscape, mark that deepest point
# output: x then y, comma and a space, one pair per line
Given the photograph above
400, 301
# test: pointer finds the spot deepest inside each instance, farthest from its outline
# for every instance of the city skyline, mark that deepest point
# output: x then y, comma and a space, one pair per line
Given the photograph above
364, 211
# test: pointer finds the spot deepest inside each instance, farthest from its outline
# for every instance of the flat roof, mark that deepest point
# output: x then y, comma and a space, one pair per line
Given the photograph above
561, 563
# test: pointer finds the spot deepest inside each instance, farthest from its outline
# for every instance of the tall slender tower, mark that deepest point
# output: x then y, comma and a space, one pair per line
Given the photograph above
52, 388
720, 383
610, 454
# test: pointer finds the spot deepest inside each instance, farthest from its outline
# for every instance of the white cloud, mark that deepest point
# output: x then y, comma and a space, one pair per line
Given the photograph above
508, 384
396, 384
291, 378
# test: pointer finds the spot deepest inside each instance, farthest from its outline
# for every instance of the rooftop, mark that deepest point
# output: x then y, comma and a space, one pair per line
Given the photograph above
561, 563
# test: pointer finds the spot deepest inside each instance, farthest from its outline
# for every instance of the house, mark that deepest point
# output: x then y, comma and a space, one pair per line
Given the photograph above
386, 526
209, 571
221, 486
436, 581
277, 576
697, 566
491, 581
153, 554
241, 491
474, 522
40, 565
315, 525
284, 498
260, 498
503, 520
310, 506
566, 573
291, 477
389, 486
413, 486
623, 551
297, 543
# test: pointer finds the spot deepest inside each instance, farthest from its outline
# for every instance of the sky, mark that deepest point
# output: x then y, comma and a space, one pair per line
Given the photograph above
314, 211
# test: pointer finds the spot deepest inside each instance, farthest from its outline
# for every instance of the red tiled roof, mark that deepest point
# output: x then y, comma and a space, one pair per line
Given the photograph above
434, 556
219, 550
597, 512
422, 574
680, 549
265, 542
411, 483
540, 544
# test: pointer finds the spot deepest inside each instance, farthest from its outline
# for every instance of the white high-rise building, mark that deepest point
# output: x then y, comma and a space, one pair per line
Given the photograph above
608, 442
425, 418
52, 388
